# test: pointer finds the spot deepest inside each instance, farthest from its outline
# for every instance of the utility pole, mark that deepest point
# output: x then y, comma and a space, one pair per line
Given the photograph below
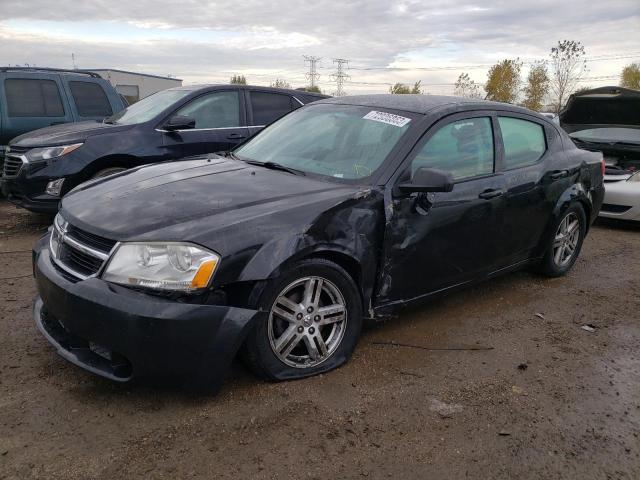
313, 75
340, 76
73, 61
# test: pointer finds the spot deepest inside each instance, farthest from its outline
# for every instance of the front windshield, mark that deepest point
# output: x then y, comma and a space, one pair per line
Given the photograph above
341, 141
148, 107
609, 134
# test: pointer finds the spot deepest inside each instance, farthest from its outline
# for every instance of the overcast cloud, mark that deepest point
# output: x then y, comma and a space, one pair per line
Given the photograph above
207, 41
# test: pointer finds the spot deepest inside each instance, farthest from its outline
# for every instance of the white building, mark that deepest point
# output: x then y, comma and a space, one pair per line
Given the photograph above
135, 86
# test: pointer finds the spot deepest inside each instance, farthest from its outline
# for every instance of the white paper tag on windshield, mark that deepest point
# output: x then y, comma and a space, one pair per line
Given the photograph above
388, 118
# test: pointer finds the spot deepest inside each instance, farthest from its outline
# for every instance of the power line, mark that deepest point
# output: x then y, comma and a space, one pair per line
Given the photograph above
340, 76
313, 75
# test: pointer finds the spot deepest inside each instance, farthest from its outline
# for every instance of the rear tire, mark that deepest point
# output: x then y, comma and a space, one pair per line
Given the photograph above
314, 318
564, 242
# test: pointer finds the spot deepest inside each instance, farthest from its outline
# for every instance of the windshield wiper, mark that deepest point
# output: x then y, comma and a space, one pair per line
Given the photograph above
272, 166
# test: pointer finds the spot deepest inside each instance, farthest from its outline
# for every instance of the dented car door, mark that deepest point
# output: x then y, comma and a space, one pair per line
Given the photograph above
437, 240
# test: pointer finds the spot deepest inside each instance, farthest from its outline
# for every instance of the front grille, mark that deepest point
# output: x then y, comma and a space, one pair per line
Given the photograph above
12, 165
79, 261
90, 239
78, 252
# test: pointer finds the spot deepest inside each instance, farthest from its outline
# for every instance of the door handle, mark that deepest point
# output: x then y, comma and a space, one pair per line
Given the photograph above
558, 174
235, 136
491, 193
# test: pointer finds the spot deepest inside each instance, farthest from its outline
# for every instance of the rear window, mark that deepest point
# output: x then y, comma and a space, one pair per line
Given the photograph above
90, 99
524, 142
33, 98
268, 107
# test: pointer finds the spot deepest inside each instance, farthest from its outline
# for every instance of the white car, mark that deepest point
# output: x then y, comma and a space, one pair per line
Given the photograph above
622, 196
607, 119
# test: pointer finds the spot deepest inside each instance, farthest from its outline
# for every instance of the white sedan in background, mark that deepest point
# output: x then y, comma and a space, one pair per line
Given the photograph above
622, 196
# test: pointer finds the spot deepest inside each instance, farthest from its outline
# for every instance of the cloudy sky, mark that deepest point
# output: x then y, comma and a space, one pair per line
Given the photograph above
207, 41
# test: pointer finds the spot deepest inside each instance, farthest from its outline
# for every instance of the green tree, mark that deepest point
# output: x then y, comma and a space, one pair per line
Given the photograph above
280, 83
537, 87
314, 89
465, 87
503, 82
402, 89
568, 65
630, 77
238, 80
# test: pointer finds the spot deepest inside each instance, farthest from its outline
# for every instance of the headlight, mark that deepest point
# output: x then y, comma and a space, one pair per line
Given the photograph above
162, 266
634, 178
45, 153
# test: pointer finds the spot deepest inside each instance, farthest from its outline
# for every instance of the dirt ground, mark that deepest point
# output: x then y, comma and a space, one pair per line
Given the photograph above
549, 400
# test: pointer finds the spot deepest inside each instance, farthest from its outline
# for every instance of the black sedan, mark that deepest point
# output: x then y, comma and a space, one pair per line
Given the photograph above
343, 210
42, 166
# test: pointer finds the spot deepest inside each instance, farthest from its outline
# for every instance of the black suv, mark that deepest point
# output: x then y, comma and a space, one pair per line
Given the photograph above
42, 166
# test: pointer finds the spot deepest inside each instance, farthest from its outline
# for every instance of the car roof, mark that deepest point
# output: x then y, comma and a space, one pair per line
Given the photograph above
416, 103
213, 86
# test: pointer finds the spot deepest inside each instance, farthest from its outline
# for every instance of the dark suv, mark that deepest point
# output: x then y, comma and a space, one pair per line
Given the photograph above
44, 165
32, 98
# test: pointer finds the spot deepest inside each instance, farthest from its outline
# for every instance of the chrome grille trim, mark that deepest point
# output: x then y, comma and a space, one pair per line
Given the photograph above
64, 238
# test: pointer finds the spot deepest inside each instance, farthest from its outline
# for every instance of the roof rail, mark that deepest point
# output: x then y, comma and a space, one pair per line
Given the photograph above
45, 69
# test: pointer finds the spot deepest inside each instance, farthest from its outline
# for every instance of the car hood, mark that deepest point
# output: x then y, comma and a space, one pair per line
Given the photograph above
187, 200
64, 134
601, 107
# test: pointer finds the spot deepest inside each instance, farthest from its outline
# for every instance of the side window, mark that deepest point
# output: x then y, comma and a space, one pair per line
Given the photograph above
464, 148
90, 99
33, 98
214, 110
268, 107
524, 142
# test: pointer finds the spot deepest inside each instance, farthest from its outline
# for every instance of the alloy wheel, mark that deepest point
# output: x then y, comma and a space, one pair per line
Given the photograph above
307, 322
566, 240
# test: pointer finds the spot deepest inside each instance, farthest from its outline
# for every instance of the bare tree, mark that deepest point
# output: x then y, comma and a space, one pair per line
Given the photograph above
568, 65
537, 87
465, 87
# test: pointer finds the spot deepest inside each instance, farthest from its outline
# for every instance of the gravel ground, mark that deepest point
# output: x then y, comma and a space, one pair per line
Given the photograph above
537, 396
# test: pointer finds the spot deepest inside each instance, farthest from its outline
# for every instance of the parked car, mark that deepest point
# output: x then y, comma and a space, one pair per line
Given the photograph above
42, 166
607, 120
344, 209
33, 98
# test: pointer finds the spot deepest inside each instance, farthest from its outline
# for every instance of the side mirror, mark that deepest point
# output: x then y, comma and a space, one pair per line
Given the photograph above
179, 122
428, 180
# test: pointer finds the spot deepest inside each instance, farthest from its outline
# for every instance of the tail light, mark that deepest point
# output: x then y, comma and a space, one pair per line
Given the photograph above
603, 166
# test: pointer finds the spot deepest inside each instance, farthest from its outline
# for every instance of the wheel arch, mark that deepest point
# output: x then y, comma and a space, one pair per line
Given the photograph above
575, 194
108, 161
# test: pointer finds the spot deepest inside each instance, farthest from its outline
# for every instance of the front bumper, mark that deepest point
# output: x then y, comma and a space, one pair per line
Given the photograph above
123, 334
29, 195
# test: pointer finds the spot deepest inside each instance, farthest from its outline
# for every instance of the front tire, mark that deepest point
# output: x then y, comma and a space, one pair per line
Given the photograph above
105, 172
565, 242
313, 324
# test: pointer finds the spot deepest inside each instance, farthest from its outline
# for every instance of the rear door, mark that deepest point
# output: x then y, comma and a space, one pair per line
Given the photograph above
89, 99
265, 107
220, 124
31, 102
529, 174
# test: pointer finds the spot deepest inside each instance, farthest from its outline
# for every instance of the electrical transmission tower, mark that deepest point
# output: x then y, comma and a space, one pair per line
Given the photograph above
313, 75
340, 76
